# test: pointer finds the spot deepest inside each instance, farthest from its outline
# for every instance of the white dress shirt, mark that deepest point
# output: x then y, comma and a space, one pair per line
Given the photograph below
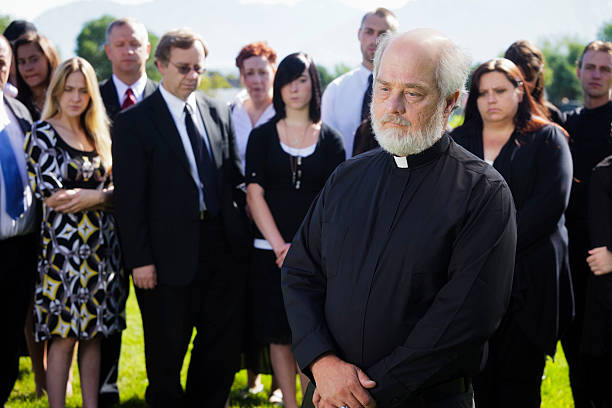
242, 122
342, 102
176, 107
137, 88
25, 223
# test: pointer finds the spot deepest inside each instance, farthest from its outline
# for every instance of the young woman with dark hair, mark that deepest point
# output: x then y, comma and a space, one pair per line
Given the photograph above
288, 160
503, 127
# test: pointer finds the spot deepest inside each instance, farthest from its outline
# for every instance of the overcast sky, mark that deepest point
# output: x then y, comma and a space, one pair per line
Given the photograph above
30, 9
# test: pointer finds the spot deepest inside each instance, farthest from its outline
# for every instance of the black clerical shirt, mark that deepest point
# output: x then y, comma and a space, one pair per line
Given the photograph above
404, 272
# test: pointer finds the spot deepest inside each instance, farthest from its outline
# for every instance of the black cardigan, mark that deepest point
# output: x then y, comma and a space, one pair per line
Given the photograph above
538, 168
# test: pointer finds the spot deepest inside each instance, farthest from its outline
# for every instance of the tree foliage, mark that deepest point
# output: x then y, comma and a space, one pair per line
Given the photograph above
213, 80
560, 79
605, 32
5, 20
90, 45
326, 76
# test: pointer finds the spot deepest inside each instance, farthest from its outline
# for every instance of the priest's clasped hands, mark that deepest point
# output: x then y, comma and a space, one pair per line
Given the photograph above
340, 384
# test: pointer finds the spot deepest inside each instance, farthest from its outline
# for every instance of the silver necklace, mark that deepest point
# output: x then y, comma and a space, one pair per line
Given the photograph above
295, 162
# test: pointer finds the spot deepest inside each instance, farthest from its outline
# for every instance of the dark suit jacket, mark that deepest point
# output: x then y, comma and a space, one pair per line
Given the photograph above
109, 96
156, 199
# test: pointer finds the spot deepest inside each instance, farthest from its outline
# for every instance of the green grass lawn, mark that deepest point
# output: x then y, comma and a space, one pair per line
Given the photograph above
133, 380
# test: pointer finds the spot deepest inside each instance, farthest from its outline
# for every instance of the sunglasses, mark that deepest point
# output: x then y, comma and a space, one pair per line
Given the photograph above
184, 69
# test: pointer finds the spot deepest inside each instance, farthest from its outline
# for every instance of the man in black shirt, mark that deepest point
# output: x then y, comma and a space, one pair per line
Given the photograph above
590, 142
402, 268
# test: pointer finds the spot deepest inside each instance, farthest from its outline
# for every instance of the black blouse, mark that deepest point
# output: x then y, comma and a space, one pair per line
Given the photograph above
538, 168
268, 165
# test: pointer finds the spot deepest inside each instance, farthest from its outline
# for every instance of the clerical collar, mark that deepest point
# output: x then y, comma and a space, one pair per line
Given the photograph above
401, 162
425, 156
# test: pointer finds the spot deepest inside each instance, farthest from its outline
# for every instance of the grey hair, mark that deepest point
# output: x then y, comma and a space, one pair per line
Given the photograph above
451, 71
129, 21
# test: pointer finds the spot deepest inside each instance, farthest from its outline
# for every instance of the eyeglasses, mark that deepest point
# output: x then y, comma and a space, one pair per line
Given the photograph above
184, 69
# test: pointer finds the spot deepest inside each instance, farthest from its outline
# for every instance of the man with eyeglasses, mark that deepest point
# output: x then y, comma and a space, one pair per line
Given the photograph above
183, 229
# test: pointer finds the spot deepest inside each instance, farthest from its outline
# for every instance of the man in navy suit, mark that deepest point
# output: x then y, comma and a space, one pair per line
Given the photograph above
127, 48
182, 224
18, 229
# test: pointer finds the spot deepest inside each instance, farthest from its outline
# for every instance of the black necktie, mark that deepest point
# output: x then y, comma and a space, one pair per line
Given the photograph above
204, 163
367, 98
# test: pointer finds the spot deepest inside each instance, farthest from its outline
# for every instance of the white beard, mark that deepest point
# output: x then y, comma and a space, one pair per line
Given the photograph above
401, 142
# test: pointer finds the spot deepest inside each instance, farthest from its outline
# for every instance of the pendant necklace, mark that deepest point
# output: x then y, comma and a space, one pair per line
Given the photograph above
295, 162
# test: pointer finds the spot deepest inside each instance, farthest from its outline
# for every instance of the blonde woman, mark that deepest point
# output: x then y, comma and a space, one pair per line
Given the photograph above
69, 162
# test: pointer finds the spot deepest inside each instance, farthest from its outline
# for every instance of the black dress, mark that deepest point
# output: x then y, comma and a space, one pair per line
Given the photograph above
268, 165
538, 168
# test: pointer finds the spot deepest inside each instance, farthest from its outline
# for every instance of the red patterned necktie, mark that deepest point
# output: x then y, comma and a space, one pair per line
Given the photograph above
129, 99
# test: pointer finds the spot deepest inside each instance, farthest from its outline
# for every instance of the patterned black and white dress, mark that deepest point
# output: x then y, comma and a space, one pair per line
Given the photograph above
78, 291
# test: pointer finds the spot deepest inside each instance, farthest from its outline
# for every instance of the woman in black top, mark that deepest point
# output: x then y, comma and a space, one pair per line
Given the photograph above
533, 156
288, 160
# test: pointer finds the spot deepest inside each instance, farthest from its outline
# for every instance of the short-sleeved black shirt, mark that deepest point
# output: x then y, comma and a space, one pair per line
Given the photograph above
268, 165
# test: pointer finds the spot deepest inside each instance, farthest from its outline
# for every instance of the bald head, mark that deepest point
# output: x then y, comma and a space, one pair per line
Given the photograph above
418, 76
5, 61
427, 52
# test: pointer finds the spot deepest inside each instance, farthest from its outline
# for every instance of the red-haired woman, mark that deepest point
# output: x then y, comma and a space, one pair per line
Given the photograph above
253, 106
532, 154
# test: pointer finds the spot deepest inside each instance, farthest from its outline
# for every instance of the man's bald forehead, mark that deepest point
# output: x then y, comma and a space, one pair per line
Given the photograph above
424, 41
139, 28
428, 50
